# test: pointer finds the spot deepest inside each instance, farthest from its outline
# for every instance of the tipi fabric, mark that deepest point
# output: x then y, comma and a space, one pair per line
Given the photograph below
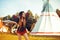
48, 23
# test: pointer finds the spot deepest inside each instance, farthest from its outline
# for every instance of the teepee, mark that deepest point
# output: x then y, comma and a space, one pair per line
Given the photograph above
48, 23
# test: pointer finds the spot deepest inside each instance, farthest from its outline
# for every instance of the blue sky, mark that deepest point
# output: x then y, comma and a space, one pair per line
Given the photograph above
10, 7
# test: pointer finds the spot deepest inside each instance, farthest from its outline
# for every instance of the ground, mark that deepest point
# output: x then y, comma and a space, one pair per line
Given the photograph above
6, 36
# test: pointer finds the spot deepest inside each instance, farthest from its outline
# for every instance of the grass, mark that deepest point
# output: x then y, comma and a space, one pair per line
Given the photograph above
6, 36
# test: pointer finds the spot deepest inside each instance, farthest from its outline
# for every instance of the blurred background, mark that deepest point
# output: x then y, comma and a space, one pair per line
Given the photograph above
9, 10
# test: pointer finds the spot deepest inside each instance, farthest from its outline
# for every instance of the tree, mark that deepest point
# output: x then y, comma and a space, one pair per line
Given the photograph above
36, 16
58, 12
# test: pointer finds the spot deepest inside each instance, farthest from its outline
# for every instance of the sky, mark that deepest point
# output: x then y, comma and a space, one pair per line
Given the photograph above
10, 7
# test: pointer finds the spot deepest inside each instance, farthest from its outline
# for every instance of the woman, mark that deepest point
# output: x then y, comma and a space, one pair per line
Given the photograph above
21, 29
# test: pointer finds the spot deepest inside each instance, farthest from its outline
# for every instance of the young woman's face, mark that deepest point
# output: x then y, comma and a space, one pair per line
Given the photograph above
23, 15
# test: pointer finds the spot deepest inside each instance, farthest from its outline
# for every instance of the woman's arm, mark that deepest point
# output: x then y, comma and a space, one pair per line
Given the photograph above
13, 22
